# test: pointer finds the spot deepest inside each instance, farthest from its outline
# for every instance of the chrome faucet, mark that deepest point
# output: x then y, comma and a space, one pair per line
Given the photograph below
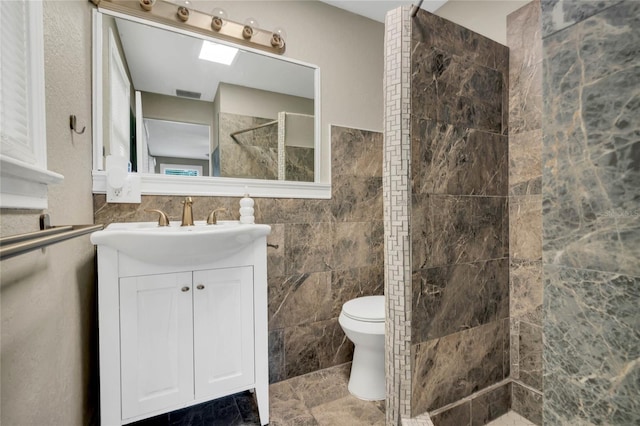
187, 213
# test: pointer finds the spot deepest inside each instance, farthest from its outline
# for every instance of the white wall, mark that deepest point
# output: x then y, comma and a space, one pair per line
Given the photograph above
48, 338
486, 17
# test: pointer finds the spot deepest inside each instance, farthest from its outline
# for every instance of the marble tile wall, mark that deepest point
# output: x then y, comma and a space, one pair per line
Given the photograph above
524, 38
477, 410
459, 213
321, 254
299, 163
591, 211
256, 154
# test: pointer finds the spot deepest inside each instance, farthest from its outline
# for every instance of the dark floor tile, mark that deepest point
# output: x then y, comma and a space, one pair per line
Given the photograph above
248, 408
161, 420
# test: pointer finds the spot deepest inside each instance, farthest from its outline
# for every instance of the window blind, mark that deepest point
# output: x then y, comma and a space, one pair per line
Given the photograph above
24, 177
15, 90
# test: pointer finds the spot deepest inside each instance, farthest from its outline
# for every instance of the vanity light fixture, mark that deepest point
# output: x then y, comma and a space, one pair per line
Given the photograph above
215, 24
216, 52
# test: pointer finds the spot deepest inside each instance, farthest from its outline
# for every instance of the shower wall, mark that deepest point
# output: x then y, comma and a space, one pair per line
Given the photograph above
255, 155
591, 212
321, 254
446, 204
524, 38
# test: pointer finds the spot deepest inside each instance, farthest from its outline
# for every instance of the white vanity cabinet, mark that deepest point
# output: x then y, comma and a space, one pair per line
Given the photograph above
172, 336
185, 336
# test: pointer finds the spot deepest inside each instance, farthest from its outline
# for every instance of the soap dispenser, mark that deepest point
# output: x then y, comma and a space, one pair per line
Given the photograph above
246, 209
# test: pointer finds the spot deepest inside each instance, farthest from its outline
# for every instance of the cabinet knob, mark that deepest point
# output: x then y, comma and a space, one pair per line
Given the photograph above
200, 287
185, 288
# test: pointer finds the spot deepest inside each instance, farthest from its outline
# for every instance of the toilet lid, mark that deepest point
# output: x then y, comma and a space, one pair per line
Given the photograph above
367, 308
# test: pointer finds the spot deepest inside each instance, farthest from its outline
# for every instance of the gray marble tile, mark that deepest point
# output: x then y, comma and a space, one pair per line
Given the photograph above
525, 163
299, 164
525, 99
450, 89
458, 297
357, 244
308, 247
314, 346
530, 355
560, 14
299, 299
348, 411
348, 284
528, 404
490, 405
526, 291
590, 198
514, 348
460, 415
458, 229
457, 161
525, 69
255, 155
591, 347
506, 347
292, 210
524, 36
441, 33
323, 386
453, 367
525, 227
356, 199
106, 213
603, 44
275, 251
277, 370
355, 152
286, 408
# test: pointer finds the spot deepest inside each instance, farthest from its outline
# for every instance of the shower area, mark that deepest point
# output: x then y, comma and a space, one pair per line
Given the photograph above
511, 209
263, 148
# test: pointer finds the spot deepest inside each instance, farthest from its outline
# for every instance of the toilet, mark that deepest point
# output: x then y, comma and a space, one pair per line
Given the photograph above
362, 320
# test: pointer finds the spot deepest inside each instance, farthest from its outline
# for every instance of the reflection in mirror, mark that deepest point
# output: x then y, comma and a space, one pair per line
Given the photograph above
261, 148
175, 148
172, 109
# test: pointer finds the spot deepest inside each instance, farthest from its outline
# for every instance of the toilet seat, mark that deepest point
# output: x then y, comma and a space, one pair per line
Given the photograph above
366, 309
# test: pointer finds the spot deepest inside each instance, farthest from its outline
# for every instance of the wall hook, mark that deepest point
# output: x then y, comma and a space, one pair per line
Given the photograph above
73, 125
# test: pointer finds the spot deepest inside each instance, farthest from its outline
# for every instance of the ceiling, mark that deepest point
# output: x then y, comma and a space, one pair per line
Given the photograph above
161, 61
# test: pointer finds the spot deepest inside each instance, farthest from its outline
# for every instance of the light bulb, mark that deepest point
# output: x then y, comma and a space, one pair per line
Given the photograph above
250, 27
278, 37
219, 19
183, 13
147, 4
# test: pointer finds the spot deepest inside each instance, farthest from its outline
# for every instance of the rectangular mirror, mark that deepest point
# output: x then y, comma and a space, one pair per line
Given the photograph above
184, 114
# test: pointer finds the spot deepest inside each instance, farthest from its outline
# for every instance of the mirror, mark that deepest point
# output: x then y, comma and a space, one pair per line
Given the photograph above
171, 110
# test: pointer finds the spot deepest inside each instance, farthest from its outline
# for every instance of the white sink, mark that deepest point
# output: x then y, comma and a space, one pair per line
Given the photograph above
179, 245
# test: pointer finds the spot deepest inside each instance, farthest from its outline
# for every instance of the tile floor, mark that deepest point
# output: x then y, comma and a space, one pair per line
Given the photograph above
511, 419
315, 399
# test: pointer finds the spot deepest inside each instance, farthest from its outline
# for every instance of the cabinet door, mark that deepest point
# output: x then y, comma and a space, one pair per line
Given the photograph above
156, 332
223, 330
